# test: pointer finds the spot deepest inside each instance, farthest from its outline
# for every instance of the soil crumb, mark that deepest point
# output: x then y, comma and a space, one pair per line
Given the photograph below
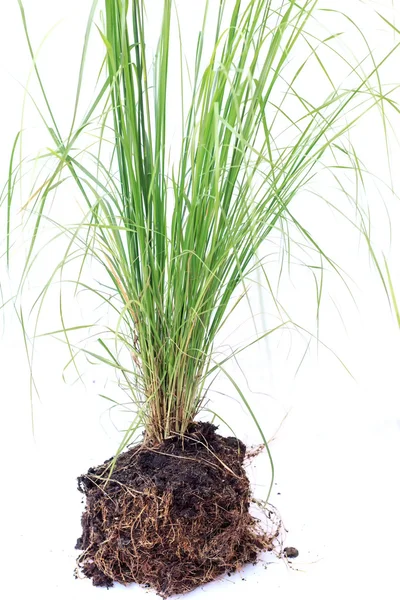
290, 552
171, 516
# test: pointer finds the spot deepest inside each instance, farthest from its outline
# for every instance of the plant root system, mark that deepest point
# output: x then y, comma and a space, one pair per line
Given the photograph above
170, 516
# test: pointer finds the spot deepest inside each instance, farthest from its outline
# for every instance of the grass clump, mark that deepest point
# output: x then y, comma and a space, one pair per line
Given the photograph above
177, 240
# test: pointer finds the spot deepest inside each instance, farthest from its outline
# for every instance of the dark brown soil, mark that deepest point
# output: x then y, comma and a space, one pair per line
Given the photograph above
172, 516
291, 552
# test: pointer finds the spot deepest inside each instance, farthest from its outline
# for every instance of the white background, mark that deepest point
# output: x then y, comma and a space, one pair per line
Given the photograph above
336, 439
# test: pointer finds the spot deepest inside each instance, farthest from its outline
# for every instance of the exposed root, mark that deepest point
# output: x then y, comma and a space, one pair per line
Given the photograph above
171, 517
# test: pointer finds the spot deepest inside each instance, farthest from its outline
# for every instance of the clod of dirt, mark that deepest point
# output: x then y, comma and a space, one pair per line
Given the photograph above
171, 516
291, 552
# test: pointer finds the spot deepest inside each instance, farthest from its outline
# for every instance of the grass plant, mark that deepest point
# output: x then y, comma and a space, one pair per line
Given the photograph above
178, 240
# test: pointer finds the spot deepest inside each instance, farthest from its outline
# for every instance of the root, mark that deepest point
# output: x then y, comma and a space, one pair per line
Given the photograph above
171, 518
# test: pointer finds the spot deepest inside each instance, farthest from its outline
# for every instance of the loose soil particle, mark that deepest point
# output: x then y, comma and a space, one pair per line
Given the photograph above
291, 552
171, 516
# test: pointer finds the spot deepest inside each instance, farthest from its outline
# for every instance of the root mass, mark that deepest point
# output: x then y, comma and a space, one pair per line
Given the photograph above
171, 516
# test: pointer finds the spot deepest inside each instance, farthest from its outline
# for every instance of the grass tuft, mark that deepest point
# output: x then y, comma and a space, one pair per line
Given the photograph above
178, 240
